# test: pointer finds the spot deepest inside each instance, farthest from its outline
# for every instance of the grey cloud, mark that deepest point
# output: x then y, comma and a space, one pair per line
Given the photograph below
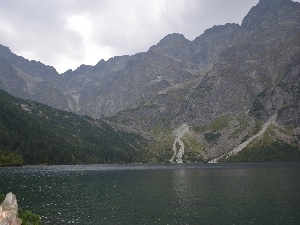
198, 16
38, 29
131, 29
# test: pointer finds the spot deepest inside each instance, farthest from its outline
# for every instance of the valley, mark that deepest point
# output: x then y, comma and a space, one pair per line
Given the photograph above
180, 101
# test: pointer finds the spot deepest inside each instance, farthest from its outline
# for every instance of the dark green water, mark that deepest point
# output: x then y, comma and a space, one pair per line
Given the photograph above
233, 193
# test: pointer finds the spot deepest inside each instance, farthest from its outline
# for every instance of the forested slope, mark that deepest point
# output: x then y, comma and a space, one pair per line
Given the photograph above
32, 133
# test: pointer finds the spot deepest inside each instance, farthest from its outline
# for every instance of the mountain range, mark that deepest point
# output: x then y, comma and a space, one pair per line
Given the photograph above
190, 100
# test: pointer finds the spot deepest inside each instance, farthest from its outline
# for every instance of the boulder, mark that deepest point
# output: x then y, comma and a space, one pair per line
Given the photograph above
9, 211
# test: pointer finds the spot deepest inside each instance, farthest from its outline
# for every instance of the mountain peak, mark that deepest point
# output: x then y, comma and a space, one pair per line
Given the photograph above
4, 48
5, 51
268, 13
173, 38
170, 42
221, 28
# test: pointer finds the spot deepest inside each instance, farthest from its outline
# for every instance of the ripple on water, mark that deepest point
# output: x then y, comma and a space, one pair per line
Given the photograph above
156, 194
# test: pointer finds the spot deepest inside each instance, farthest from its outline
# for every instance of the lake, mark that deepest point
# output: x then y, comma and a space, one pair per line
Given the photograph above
185, 194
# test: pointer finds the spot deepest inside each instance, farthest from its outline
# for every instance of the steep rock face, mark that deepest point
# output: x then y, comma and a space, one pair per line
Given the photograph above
272, 13
128, 81
251, 79
9, 79
223, 85
258, 76
138, 79
248, 62
254, 63
30, 79
211, 43
284, 96
175, 46
121, 82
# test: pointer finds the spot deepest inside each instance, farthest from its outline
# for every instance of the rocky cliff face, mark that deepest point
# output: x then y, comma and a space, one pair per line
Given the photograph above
30, 80
121, 82
252, 76
223, 85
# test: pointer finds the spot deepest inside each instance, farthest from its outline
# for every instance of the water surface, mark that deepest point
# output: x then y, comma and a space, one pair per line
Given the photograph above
232, 193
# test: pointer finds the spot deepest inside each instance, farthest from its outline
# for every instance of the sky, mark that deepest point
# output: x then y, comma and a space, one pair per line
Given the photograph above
68, 33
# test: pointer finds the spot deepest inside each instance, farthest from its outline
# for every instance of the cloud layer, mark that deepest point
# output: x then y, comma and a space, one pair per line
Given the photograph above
68, 33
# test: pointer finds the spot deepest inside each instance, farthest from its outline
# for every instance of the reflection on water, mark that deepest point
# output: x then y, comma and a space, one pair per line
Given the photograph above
181, 188
186, 196
266, 193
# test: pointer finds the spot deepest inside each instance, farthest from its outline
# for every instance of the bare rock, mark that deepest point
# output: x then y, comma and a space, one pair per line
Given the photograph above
9, 211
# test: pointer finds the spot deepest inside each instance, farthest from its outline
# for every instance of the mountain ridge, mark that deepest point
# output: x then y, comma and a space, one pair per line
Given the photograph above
224, 84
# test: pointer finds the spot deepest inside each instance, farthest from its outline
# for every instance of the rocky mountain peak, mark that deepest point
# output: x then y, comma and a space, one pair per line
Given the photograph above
269, 13
170, 40
221, 28
174, 46
6, 53
4, 49
175, 37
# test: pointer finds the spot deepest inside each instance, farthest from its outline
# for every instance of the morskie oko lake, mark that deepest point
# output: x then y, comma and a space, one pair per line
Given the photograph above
185, 194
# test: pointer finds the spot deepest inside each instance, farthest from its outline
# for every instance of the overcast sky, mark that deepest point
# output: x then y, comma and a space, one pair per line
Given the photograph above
68, 33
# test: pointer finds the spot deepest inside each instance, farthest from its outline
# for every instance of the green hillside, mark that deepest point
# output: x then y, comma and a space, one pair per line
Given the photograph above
33, 133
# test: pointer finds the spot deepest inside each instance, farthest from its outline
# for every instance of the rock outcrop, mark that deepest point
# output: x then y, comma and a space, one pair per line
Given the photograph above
9, 211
